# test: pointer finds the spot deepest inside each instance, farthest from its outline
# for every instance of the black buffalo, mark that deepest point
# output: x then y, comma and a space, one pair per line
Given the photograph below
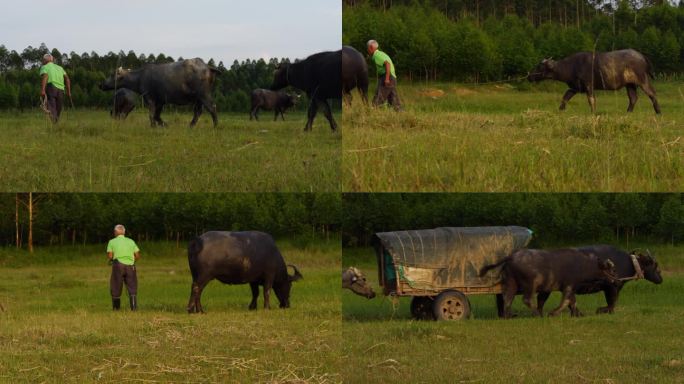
530, 271
239, 258
180, 83
588, 71
271, 101
625, 270
319, 76
123, 103
354, 74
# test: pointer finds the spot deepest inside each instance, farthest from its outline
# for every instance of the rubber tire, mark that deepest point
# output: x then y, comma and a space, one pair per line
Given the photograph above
421, 308
451, 305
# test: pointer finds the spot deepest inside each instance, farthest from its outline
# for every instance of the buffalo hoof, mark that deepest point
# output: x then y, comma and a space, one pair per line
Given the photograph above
604, 310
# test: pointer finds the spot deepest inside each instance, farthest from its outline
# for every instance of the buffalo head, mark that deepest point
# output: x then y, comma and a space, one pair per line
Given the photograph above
282, 289
281, 77
542, 71
114, 80
649, 266
354, 280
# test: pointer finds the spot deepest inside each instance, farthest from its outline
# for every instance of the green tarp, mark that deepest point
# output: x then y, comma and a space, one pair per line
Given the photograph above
448, 257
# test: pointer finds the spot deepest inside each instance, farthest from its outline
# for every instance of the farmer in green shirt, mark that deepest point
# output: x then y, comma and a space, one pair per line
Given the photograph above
122, 252
387, 78
53, 81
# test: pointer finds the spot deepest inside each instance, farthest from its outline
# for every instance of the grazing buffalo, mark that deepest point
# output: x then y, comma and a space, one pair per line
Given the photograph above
239, 258
180, 83
628, 266
529, 271
271, 101
319, 76
354, 74
123, 103
354, 280
589, 71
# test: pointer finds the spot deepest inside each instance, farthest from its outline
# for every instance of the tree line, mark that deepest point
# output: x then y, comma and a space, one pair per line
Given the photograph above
20, 83
555, 218
488, 40
80, 219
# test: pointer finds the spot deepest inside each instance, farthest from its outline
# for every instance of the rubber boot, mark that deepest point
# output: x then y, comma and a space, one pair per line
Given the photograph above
116, 304
134, 302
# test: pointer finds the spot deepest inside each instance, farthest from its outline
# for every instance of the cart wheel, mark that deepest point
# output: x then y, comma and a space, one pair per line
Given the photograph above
421, 308
451, 305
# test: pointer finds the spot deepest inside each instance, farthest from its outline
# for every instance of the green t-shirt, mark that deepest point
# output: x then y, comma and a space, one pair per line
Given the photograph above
123, 248
55, 74
379, 59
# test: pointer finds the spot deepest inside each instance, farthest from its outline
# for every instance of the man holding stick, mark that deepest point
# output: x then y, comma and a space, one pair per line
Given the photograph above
53, 82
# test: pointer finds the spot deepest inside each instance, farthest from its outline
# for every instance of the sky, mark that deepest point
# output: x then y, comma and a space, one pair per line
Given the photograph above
225, 30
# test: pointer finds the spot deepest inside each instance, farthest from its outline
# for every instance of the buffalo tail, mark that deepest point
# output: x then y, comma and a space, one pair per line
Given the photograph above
194, 248
486, 268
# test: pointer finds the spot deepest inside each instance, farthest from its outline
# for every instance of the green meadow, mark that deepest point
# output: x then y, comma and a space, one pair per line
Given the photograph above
639, 343
89, 151
58, 326
512, 137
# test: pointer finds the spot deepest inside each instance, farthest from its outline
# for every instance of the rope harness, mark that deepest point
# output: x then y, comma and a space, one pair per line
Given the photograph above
638, 272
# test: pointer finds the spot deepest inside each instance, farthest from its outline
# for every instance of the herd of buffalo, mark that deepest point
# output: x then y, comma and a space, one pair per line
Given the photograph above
570, 271
333, 75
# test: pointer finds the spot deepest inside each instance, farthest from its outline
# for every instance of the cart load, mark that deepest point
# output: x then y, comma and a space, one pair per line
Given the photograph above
429, 261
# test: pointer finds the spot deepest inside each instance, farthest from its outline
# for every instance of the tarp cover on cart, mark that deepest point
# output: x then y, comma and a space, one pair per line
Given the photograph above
447, 257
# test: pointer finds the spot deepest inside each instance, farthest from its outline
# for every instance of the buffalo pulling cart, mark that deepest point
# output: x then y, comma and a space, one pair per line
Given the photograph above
439, 267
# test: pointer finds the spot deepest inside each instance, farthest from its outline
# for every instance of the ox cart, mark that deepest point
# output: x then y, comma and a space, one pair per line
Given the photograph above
439, 267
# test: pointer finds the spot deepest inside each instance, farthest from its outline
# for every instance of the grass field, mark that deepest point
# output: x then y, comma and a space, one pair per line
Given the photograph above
501, 137
90, 152
58, 326
640, 343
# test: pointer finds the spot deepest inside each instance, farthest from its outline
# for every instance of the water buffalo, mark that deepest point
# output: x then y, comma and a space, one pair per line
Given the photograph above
354, 280
354, 74
529, 271
628, 266
589, 71
319, 76
239, 258
180, 83
123, 103
271, 101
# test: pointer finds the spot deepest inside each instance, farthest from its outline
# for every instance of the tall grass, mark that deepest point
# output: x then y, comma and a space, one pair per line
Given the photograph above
500, 138
58, 326
90, 152
639, 343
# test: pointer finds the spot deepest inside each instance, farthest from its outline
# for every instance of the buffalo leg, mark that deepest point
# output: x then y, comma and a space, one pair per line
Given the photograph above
255, 295
650, 91
255, 113
347, 97
194, 305
313, 109
527, 299
574, 311
197, 111
211, 108
157, 115
282, 117
565, 301
566, 98
592, 100
152, 107
267, 294
328, 114
541, 300
509, 290
632, 94
611, 295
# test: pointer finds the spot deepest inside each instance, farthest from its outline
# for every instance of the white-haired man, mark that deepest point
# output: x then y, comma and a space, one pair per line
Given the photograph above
123, 253
387, 78
54, 80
